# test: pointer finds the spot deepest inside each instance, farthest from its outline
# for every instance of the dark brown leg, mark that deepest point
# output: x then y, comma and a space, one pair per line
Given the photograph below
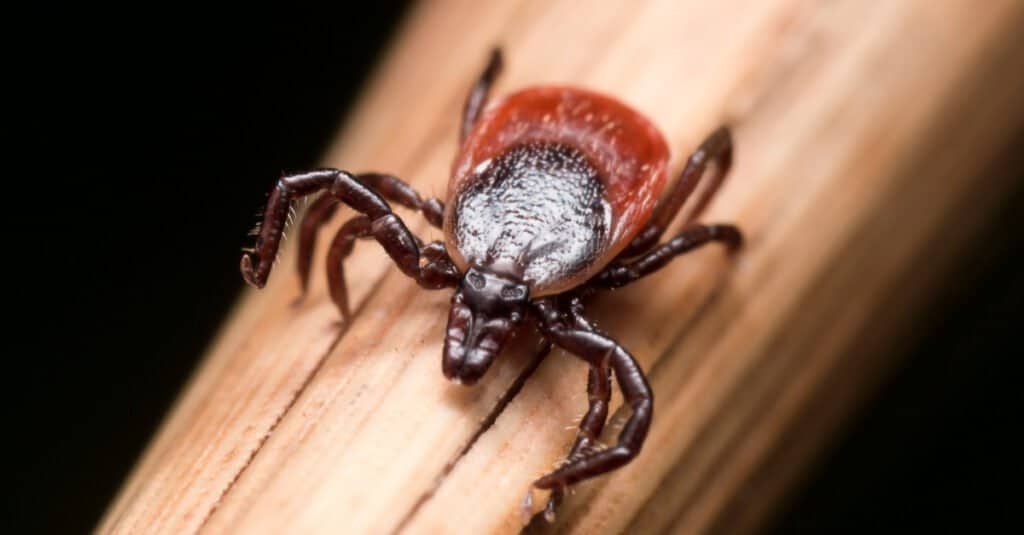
599, 394
435, 273
477, 97
622, 273
717, 150
320, 211
389, 187
400, 192
599, 351
341, 247
385, 227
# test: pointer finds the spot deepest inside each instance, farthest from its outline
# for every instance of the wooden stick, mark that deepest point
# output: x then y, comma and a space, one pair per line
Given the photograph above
860, 131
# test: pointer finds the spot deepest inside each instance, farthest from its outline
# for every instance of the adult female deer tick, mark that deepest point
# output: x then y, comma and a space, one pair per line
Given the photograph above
554, 194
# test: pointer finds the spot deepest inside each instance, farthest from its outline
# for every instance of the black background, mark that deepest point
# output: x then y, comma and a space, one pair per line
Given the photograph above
142, 151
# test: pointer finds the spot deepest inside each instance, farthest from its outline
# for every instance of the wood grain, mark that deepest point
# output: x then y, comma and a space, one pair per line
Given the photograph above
861, 129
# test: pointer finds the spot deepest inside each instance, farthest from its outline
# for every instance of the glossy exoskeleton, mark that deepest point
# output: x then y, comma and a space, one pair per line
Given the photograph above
556, 192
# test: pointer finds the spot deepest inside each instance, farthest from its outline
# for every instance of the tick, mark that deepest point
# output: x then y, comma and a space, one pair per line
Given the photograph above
556, 193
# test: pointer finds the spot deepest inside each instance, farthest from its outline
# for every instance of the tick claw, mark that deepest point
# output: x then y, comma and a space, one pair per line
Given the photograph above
247, 270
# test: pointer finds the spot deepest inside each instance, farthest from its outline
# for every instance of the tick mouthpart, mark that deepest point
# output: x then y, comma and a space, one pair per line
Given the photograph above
471, 342
472, 368
485, 310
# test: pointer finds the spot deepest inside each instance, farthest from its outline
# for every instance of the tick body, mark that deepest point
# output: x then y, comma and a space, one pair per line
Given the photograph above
556, 193
551, 184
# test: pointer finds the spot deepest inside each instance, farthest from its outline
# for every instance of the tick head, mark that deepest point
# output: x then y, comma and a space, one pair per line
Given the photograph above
486, 309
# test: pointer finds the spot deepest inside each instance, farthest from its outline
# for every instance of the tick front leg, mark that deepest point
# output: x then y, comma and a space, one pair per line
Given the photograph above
477, 98
623, 273
319, 212
438, 270
384, 226
600, 352
599, 394
390, 187
341, 247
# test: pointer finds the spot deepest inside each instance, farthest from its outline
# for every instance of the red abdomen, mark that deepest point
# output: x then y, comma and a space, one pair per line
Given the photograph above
625, 155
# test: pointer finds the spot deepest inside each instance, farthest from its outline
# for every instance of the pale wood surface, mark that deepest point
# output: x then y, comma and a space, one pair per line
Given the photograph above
861, 129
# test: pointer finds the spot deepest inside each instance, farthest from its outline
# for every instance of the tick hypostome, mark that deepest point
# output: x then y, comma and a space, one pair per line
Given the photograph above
557, 192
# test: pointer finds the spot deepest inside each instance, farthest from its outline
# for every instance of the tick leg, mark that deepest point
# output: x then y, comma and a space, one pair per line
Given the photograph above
341, 247
318, 212
385, 227
599, 394
600, 352
389, 187
399, 191
717, 150
435, 273
477, 98
622, 273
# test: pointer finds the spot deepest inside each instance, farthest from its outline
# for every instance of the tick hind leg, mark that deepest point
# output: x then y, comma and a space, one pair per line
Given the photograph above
570, 331
716, 150
383, 225
477, 98
321, 210
621, 273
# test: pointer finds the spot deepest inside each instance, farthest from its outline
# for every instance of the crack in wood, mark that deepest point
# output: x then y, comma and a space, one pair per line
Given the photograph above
288, 407
542, 351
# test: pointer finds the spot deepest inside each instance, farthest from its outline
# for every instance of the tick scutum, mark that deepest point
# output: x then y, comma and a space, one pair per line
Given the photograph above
537, 212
